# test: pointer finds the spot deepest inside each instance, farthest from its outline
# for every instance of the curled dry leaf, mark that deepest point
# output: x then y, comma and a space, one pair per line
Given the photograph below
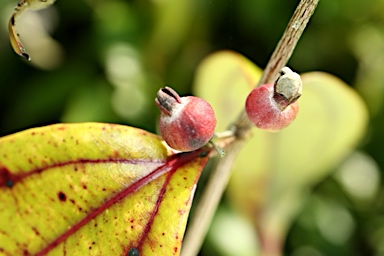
22, 6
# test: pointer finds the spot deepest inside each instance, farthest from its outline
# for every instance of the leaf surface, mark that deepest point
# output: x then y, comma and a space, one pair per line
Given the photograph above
224, 79
92, 188
274, 171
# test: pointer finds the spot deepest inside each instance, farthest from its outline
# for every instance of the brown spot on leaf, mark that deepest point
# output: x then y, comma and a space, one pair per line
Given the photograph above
36, 231
62, 197
13, 20
115, 154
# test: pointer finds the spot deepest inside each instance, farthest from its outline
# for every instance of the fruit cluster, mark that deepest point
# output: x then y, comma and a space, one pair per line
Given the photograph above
188, 123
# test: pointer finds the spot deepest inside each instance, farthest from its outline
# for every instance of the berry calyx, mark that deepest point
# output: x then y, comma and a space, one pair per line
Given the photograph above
274, 106
185, 123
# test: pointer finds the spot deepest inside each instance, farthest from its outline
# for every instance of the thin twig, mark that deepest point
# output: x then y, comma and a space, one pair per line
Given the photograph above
220, 175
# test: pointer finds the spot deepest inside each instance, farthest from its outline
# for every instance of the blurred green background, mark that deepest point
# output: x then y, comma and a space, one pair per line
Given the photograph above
104, 61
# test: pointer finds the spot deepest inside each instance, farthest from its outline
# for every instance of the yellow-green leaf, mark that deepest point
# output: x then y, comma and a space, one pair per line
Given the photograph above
274, 171
93, 189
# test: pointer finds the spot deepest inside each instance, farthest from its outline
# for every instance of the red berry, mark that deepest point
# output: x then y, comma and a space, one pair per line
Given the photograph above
274, 106
186, 123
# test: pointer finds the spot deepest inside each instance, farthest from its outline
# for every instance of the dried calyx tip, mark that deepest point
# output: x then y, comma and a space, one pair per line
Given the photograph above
166, 98
287, 88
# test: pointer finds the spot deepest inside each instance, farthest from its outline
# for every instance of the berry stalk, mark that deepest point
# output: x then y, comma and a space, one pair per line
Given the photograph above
219, 176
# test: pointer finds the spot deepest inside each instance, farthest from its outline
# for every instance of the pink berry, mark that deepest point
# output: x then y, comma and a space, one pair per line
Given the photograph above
274, 106
186, 123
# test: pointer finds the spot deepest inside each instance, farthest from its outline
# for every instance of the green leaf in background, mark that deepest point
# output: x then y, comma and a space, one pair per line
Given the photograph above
274, 171
93, 189
224, 79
